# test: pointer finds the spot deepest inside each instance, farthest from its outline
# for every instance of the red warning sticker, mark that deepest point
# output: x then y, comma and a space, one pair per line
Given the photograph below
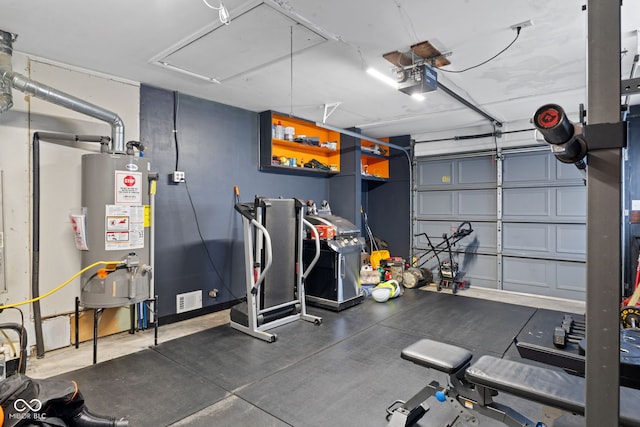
548, 118
128, 188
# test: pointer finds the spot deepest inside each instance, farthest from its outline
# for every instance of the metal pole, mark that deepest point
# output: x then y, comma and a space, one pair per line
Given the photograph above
155, 320
77, 321
603, 219
132, 318
95, 335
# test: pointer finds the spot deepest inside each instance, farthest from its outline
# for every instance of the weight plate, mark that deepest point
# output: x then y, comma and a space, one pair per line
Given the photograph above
630, 317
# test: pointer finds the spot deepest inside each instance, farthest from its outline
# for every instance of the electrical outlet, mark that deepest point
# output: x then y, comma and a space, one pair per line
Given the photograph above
178, 177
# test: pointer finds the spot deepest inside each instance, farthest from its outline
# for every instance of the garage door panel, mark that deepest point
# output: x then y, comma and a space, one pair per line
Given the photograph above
545, 277
480, 270
538, 169
526, 202
571, 240
477, 203
551, 204
474, 171
571, 276
571, 202
540, 207
526, 239
483, 239
436, 203
526, 168
568, 172
434, 173
539, 240
460, 204
525, 271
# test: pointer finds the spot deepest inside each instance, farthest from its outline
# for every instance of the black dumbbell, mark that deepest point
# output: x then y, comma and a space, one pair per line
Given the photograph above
579, 323
561, 337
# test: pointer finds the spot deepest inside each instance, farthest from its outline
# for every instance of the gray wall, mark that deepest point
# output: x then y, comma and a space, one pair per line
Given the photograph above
218, 148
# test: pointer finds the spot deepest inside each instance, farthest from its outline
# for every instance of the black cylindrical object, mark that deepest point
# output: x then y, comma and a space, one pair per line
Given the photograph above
572, 151
553, 124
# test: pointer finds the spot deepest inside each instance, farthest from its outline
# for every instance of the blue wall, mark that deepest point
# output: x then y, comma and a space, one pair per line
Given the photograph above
218, 148
631, 228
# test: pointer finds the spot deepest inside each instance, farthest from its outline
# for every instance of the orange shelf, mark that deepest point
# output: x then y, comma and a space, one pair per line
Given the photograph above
373, 165
297, 146
273, 149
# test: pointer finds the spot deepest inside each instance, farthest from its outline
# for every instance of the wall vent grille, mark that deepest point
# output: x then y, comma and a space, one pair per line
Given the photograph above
188, 301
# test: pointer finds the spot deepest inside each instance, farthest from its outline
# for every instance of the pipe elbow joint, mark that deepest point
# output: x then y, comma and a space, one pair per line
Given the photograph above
6, 102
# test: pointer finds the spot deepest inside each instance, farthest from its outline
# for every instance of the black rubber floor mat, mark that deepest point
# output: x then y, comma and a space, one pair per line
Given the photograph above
146, 388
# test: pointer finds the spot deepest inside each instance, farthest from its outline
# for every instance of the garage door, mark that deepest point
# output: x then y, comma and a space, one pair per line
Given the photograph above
528, 214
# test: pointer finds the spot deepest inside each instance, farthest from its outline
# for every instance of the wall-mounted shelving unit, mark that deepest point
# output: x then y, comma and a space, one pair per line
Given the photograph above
309, 143
374, 161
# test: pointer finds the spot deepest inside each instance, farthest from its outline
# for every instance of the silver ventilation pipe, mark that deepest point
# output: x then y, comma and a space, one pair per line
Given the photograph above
6, 51
9, 79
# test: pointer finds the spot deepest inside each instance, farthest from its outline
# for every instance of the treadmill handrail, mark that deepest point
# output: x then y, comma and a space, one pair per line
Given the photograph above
247, 210
268, 256
317, 243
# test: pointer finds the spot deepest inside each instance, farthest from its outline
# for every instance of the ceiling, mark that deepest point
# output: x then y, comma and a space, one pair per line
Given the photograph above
296, 56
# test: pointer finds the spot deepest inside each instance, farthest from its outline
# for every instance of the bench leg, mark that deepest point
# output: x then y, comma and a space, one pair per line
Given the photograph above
486, 406
402, 417
463, 400
410, 412
405, 414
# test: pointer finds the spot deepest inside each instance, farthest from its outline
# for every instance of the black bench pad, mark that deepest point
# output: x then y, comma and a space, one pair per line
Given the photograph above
434, 354
552, 388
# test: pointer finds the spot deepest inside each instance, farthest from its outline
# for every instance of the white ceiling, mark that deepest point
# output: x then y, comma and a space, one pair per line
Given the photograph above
295, 56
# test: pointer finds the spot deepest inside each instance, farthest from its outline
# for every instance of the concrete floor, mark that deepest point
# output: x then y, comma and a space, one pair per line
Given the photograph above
69, 359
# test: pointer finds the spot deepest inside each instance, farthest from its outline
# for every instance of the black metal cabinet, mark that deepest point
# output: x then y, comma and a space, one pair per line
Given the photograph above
334, 282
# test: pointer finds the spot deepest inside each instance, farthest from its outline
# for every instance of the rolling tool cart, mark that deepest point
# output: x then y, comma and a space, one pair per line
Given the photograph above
449, 274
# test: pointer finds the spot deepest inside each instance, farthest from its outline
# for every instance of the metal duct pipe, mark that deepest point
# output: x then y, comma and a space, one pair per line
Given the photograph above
6, 50
10, 79
55, 96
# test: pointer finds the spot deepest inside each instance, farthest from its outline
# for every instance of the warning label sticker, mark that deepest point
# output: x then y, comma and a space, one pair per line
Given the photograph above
117, 223
128, 188
117, 236
124, 227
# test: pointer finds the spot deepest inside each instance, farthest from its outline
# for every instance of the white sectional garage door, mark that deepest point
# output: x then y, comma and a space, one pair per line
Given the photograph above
527, 211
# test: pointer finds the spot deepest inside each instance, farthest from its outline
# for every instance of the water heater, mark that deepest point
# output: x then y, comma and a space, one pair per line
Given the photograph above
115, 200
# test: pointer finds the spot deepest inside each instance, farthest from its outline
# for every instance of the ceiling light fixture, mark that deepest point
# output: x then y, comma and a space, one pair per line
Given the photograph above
391, 82
188, 73
223, 13
382, 77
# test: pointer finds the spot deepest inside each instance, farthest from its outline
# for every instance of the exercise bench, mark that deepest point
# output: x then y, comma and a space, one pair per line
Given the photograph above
471, 388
